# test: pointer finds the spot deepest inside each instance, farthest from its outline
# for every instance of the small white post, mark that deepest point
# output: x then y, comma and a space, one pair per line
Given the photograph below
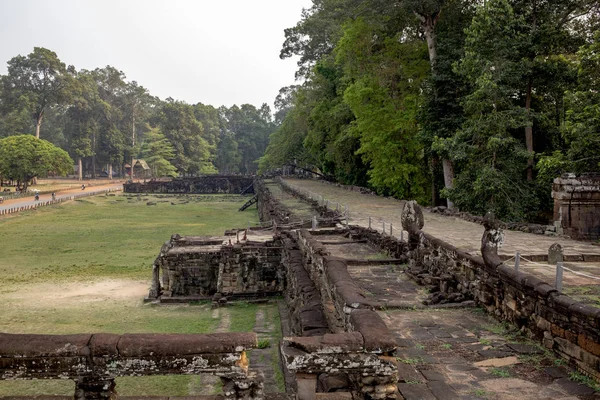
383, 229
559, 276
402, 235
391, 229
346, 222
314, 222
369, 222
517, 261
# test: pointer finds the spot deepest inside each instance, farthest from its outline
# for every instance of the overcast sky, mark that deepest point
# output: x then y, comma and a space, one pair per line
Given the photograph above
219, 52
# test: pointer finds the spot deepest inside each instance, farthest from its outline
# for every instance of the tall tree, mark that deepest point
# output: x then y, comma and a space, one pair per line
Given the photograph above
38, 81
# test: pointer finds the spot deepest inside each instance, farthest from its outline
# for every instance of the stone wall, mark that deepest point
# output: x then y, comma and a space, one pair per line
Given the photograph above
210, 184
196, 266
577, 205
272, 210
345, 345
93, 361
570, 328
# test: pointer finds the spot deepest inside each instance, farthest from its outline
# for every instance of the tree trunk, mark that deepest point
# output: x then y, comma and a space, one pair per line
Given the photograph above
38, 125
448, 178
94, 156
529, 131
428, 23
80, 164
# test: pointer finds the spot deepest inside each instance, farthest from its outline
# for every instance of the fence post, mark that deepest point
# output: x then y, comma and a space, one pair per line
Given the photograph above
517, 261
391, 229
383, 229
314, 222
346, 222
369, 222
559, 276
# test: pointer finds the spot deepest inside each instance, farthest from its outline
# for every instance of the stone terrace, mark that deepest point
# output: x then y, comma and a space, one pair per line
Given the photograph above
579, 256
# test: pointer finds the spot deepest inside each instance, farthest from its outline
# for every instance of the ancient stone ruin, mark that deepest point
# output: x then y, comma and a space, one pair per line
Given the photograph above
336, 344
209, 184
577, 205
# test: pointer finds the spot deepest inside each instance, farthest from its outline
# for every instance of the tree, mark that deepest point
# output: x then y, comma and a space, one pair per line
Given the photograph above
384, 96
38, 82
193, 154
582, 127
158, 151
23, 157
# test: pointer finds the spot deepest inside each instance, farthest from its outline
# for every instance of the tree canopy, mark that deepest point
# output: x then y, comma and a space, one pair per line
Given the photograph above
478, 102
23, 157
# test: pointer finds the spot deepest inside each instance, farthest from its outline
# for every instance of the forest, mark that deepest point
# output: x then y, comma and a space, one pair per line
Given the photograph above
103, 121
477, 104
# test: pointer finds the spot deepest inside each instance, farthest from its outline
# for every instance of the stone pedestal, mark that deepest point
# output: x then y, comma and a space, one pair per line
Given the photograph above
577, 205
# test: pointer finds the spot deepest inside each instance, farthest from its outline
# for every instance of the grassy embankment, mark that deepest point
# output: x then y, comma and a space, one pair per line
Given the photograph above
85, 266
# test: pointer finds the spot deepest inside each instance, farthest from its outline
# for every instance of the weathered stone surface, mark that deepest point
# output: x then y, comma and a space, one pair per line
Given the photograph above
376, 334
577, 205
328, 343
555, 254
136, 345
25, 345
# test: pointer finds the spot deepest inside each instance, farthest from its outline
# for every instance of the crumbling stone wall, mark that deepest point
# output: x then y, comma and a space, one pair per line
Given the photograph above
577, 205
93, 361
570, 328
211, 184
358, 355
270, 209
203, 266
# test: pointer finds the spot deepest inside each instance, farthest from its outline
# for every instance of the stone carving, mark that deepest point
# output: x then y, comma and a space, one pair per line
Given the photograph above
555, 254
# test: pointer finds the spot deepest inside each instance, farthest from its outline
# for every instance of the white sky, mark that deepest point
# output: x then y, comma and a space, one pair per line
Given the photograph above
219, 52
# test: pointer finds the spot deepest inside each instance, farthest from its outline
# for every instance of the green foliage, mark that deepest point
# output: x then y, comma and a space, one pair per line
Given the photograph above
582, 126
24, 157
36, 83
384, 102
157, 151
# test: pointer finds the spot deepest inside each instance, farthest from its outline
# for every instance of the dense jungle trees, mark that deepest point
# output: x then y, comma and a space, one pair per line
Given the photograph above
104, 121
478, 102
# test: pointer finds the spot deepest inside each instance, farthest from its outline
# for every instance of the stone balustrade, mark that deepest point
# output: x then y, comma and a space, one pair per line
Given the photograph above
93, 361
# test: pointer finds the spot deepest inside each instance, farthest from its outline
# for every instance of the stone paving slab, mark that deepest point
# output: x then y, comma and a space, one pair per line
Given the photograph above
463, 234
431, 367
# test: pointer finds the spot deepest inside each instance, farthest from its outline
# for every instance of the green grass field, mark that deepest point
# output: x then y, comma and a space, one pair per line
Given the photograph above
85, 266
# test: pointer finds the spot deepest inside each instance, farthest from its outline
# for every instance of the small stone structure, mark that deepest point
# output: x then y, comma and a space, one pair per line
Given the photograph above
200, 267
209, 184
577, 205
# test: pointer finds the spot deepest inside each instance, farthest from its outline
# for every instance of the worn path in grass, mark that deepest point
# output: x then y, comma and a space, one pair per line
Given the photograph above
63, 194
462, 234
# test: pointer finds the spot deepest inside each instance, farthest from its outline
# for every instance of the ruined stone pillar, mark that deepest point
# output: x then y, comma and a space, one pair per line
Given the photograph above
95, 388
155, 288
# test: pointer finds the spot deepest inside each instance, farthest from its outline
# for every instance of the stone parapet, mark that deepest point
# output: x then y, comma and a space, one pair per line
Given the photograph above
210, 184
93, 361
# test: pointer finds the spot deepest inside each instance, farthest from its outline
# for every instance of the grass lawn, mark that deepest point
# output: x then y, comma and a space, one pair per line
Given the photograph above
85, 266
